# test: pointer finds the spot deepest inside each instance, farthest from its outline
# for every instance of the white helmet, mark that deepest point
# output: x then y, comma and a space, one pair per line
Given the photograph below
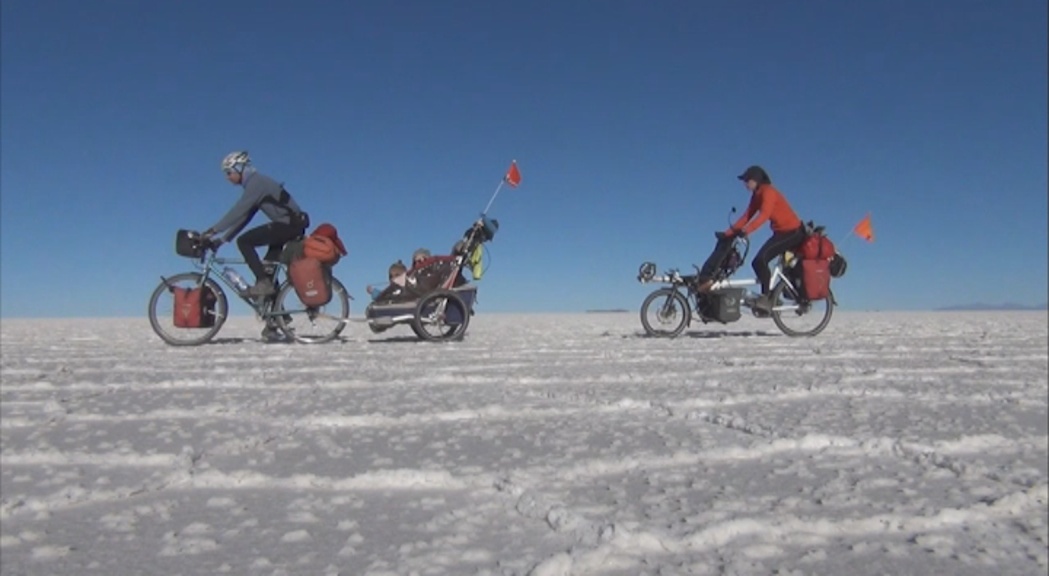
235, 161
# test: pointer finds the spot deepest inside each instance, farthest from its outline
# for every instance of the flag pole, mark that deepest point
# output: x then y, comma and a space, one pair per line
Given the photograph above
497, 189
512, 176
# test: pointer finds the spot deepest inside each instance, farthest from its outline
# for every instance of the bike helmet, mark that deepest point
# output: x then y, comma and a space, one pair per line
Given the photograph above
236, 161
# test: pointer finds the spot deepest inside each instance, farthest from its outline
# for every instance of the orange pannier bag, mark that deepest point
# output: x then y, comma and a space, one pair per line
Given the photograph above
321, 249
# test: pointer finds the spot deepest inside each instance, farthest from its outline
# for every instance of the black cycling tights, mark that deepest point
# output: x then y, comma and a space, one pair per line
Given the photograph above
779, 243
275, 235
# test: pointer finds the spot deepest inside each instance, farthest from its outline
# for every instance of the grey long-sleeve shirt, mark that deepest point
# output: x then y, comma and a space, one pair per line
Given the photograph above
260, 193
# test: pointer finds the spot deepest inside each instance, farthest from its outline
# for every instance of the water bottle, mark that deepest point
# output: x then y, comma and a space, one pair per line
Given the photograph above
234, 278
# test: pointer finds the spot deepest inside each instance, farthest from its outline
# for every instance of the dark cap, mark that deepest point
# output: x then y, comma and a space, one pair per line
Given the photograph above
755, 173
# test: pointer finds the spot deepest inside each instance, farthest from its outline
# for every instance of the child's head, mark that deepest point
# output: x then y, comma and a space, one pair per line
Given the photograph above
419, 256
397, 272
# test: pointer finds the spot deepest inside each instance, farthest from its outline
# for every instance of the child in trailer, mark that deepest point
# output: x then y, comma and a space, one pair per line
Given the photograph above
419, 256
398, 274
428, 273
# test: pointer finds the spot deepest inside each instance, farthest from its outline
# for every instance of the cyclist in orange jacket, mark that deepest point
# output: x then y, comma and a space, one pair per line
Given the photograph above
767, 203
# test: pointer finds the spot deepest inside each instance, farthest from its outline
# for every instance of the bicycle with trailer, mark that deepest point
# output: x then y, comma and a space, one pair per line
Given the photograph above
437, 301
189, 308
667, 311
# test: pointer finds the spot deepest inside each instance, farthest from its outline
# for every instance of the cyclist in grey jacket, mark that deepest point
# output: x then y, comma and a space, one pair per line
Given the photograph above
287, 220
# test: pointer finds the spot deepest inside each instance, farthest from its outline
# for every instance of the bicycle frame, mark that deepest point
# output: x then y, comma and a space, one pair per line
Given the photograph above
777, 278
675, 278
211, 265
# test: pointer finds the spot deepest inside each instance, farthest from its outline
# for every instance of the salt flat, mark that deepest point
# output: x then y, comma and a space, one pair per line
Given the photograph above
893, 443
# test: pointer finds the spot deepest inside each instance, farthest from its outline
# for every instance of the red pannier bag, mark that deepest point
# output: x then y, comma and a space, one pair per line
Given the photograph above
816, 253
815, 278
194, 307
817, 247
311, 280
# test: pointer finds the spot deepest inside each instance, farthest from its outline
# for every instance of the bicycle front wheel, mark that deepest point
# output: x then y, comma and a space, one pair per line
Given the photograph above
162, 311
312, 324
664, 313
796, 316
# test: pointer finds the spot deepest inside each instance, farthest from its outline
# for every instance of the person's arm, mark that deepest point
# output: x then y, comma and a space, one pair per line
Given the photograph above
768, 204
741, 223
387, 293
237, 216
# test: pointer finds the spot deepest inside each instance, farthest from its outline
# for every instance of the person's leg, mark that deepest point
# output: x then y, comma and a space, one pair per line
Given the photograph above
709, 269
717, 256
773, 247
281, 234
247, 242
272, 234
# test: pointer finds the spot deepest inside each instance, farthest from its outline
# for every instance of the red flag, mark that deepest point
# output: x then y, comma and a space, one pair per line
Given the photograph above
864, 229
513, 175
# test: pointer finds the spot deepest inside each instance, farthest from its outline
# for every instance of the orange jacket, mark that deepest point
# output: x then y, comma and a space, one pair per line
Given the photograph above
772, 206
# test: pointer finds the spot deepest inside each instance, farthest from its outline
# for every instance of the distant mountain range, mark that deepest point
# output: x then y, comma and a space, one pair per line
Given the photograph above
1006, 306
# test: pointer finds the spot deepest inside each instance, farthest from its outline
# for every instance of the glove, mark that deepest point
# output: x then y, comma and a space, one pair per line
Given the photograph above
207, 240
732, 233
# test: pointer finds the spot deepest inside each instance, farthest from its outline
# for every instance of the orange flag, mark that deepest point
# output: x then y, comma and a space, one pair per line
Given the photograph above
513, 175
864, 229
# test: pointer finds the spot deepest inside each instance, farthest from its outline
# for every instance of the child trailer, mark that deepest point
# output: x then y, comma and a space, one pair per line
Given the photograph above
437, 301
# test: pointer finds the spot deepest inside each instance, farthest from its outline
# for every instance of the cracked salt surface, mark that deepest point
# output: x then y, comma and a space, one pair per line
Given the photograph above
541, 445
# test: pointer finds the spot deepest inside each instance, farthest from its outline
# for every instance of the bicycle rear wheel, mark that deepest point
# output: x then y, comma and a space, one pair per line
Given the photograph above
162, 311
799, 316
312, 324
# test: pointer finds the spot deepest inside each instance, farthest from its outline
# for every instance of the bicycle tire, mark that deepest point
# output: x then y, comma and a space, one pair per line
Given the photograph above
675, 304
286, 314
429, 312
174, 335
779, 319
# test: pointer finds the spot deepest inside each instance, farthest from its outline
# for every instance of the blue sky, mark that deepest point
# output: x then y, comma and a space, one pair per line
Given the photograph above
395, 121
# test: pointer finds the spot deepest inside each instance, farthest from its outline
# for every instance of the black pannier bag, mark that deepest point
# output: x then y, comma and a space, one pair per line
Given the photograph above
838, 265
722, 305
187, 243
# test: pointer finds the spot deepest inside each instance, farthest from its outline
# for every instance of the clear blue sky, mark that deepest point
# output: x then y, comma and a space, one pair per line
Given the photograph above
395, 121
